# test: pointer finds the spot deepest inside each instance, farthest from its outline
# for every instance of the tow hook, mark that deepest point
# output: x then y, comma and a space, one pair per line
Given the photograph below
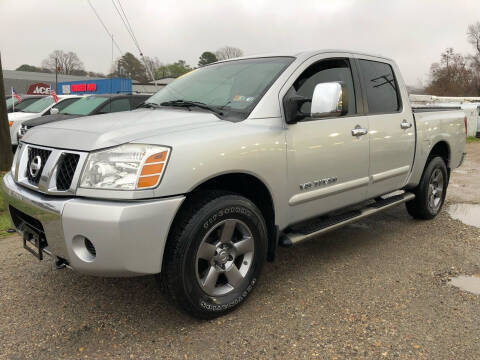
61, 263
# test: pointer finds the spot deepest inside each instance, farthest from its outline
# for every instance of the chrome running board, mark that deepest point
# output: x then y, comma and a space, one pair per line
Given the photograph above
322, 225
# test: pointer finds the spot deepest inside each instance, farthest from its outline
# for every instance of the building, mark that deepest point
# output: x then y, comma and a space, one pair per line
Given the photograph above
152, 86
26, 82
95, 86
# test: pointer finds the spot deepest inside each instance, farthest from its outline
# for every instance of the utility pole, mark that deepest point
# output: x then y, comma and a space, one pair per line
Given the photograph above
56, 77
6, 154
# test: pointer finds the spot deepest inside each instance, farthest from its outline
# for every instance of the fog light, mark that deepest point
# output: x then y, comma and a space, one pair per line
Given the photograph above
90, 247
84, 248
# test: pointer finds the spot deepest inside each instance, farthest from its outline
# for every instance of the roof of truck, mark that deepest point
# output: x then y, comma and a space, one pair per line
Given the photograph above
309, 53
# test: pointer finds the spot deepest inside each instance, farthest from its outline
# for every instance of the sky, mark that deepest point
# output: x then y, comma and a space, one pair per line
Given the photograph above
412, 32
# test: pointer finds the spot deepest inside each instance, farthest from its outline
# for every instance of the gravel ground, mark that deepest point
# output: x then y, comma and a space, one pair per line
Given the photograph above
378, 288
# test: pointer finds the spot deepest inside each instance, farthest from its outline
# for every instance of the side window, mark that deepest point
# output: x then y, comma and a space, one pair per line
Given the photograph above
381, 87
326, 71
63, 104
116, 105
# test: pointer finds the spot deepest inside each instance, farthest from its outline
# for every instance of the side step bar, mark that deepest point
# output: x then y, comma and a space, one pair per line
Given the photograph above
322, 225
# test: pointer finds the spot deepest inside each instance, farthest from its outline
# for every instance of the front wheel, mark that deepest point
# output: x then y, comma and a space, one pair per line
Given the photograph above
215, 253
430, 193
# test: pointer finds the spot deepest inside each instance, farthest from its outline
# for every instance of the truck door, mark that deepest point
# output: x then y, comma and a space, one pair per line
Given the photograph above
392, 130
327, 162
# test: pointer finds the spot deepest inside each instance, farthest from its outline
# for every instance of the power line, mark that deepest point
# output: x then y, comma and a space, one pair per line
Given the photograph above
132, 35
127, 26
128, 22
105, 27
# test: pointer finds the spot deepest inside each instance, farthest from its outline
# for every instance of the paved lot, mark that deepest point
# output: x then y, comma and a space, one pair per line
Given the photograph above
375, 289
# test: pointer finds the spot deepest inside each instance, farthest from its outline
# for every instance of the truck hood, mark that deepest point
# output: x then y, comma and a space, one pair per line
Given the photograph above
21, 116
100, 131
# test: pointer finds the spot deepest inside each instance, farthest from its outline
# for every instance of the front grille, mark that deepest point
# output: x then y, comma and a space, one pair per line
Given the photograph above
49, 170
33, 174
66, 169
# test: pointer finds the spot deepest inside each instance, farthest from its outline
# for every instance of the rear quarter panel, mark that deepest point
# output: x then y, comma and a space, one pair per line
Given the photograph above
432, 128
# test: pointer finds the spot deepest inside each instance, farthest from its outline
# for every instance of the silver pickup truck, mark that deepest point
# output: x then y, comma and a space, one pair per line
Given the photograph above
220, 167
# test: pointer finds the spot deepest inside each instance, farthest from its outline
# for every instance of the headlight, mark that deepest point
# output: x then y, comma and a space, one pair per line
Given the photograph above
125, 167
14, 161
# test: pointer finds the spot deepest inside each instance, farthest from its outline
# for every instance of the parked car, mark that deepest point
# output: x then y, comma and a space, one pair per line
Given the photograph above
89, 105
478, 121
41, 107
224, 164
14, 106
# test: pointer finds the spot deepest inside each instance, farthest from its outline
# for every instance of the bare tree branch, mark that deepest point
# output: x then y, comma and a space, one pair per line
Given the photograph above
228, 52
67, 63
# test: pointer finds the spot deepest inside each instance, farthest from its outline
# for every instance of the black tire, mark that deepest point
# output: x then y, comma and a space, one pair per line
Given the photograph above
202, 217
420, 207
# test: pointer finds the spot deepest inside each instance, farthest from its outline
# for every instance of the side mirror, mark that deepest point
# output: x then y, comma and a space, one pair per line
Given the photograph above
292, 104
329, 99
54, 111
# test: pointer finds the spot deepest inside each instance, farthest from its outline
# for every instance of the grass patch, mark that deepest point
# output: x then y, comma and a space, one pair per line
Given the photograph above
472, 139
5, 223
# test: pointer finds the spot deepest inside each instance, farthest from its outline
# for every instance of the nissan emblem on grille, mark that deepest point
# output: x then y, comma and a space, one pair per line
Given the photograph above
35, 166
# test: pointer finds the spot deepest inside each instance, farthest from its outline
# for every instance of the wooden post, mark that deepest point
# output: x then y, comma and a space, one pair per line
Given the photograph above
6, 154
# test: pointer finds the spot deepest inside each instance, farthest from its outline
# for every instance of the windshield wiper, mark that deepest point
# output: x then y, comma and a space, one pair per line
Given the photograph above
188, 104
148, 105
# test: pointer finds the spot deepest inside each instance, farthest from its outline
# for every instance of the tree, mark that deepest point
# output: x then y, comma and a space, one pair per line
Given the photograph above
129, 65
228, 52
473, 37
66, 62
31, 68
95, 74
206, 58
452, 76
6, 154
173, 70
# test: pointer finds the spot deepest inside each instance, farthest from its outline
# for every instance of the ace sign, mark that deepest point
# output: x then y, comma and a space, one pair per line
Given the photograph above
39, 89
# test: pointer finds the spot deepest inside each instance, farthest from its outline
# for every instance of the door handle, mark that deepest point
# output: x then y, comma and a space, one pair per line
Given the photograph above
405, 124
359, 131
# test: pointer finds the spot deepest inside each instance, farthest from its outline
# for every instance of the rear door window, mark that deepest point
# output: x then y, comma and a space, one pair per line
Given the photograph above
116, 105
381, 87
63, 104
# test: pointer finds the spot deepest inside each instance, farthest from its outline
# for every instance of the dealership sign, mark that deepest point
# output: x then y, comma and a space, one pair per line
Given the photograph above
39, 89
75, 88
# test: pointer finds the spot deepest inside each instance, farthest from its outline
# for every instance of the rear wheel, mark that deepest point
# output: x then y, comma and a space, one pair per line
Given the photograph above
215, 253
430, 193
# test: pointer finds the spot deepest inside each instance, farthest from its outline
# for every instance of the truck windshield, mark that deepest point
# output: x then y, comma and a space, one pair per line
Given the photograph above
39, 105
231, 89
84, 106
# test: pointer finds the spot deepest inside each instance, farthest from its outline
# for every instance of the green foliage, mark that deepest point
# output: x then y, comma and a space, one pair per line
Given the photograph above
31, 68
5, 223
472, 139
207, 58
173, 70
129, 66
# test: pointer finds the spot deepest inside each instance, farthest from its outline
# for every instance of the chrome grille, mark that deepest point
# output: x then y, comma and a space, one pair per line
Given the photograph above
33, 154
58, 173
66, 169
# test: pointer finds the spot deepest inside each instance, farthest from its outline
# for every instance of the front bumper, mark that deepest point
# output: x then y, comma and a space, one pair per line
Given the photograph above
129, 236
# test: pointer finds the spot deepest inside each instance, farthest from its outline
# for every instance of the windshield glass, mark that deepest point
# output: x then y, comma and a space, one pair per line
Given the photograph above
234, 87
39, 105
84, 106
